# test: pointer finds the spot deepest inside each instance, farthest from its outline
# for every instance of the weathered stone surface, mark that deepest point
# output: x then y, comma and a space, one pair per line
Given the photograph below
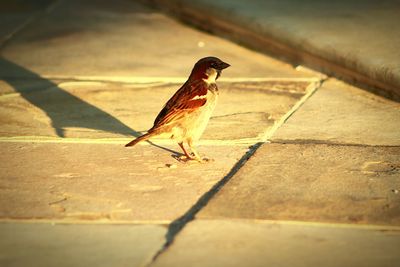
65, 245
103, 110
246, 243
357, 38
107, 182
123, 38
309, 182
341, 113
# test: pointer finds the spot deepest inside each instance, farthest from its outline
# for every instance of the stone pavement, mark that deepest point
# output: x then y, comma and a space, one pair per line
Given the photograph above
306, 168
354, 40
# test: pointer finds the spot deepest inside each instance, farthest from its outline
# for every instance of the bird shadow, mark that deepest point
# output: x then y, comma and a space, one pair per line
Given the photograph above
62, 108
175, 154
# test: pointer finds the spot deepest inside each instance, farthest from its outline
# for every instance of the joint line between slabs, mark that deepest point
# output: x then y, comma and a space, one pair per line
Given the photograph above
71, 221
120, 141
327, 224
27, 22
177, 79
312, 88
327, 142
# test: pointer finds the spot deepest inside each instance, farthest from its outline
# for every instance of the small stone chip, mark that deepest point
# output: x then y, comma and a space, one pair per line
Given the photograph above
167, 166
171, 166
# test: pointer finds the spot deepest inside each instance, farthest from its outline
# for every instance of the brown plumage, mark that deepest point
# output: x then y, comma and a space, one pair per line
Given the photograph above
186, 114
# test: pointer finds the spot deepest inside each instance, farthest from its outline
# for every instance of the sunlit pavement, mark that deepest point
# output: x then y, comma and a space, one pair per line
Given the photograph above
305, 169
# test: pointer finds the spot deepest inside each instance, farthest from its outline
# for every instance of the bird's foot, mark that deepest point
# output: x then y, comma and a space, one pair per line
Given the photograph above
183, 158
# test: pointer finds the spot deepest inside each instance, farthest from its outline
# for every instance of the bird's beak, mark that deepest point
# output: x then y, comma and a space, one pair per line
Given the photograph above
223, 65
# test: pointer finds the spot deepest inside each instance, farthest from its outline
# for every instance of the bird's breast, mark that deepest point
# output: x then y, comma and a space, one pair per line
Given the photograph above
203, 116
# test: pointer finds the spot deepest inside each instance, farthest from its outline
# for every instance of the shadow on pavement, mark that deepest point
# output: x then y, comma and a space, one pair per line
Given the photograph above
63, 108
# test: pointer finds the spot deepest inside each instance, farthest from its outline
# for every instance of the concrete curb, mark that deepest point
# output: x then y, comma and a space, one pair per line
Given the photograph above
372, 75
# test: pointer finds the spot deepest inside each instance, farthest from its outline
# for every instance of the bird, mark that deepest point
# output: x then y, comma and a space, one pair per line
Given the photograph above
186, 114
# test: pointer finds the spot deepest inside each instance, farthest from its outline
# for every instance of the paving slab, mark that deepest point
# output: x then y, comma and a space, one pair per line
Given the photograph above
71, 109
340, 113
45, 244
314, 182
105, 182
103, 39
358, 39
248, 243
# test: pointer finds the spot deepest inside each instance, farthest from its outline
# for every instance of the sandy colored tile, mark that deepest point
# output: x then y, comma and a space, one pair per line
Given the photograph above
314, 182
104, 181
245, 243
45, 244
341, 113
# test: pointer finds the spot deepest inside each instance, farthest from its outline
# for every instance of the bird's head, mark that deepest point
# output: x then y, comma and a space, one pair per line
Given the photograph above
208, 69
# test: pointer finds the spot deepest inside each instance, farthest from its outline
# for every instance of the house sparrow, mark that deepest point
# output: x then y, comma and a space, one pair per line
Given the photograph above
185, 116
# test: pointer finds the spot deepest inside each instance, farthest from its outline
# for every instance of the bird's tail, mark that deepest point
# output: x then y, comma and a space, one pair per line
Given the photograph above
141, 138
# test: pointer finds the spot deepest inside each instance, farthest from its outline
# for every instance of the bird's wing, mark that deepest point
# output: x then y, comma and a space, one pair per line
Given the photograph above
188, 98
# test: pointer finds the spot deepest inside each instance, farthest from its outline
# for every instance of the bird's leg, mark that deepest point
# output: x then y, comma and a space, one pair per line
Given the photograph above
195, 153
184, 151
